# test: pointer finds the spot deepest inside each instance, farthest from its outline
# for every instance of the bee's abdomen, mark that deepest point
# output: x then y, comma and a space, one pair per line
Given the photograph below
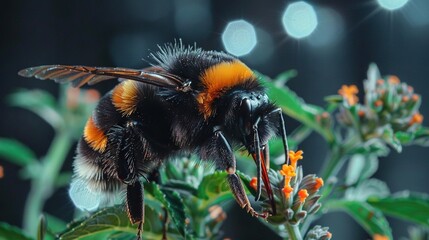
96, 169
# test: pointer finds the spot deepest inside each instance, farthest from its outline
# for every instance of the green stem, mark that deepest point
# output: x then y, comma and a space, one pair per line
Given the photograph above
332, 166
43, 186
293, 231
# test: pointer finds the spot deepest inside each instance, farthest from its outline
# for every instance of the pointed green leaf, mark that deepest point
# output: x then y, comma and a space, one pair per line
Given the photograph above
285, 76
413, 207
213, 185
8, 232
295, 107
54, 223
172, 202
368, 188
16, 152
40, 102
361, 167
180, 186
108, 219
215, 189
391, 139
370, 218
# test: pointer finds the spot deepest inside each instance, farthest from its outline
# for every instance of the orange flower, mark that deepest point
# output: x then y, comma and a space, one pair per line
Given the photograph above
349, 94
379, 237
288, 171
378, 103
319, 183
1, 171
294, 157
415, 97
417, 118
380, 82
394, 80
287, 190
329, 235
302, 194
253, 183
405, 99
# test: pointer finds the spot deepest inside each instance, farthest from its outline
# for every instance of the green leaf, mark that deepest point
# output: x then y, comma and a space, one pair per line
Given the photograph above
40, 102
413, 207
422, 136
370, 218
54, 223
391, 139
180, 186
213, 185
374, 146
122, 236
172, 202
8, 232
361, 167
285, 76
108, 219
295, 107
214, 188
368, 188
16, 152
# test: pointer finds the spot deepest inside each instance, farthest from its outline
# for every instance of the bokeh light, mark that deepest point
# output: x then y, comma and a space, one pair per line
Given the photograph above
299, 19
392, 4
239, 37
330, 28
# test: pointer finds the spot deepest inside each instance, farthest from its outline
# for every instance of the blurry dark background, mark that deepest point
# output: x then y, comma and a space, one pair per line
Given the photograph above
121, 33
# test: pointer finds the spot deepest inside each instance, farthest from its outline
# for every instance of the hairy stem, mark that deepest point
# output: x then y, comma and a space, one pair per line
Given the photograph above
43, 186
293, 231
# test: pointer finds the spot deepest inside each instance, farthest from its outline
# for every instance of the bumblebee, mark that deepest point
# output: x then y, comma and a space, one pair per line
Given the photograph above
190, 101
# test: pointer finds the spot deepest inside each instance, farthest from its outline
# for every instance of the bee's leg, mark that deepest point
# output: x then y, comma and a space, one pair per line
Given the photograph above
129, 149
165, 225
135, 205
221, 152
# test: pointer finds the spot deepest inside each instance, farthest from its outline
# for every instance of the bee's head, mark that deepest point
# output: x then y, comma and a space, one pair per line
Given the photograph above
254, 121
246, 112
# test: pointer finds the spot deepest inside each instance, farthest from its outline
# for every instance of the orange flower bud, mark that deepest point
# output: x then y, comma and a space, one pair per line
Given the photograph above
417, 118
405, 98
287, 190
302, 194
253, 183
378, 103
379, 237
349, 94
394, 80
319, 183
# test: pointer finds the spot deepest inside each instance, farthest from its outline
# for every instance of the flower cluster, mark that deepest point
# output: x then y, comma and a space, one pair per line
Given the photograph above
318, 233
390, 108
295, 195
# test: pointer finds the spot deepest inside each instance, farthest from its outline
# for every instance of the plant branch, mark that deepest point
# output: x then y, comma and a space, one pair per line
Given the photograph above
293, 231
43, 186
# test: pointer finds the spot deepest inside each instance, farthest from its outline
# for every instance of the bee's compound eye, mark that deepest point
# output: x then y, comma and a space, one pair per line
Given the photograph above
82, 197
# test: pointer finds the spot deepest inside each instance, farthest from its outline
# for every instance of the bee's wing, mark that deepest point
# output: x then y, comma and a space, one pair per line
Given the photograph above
87, 199
80, 75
